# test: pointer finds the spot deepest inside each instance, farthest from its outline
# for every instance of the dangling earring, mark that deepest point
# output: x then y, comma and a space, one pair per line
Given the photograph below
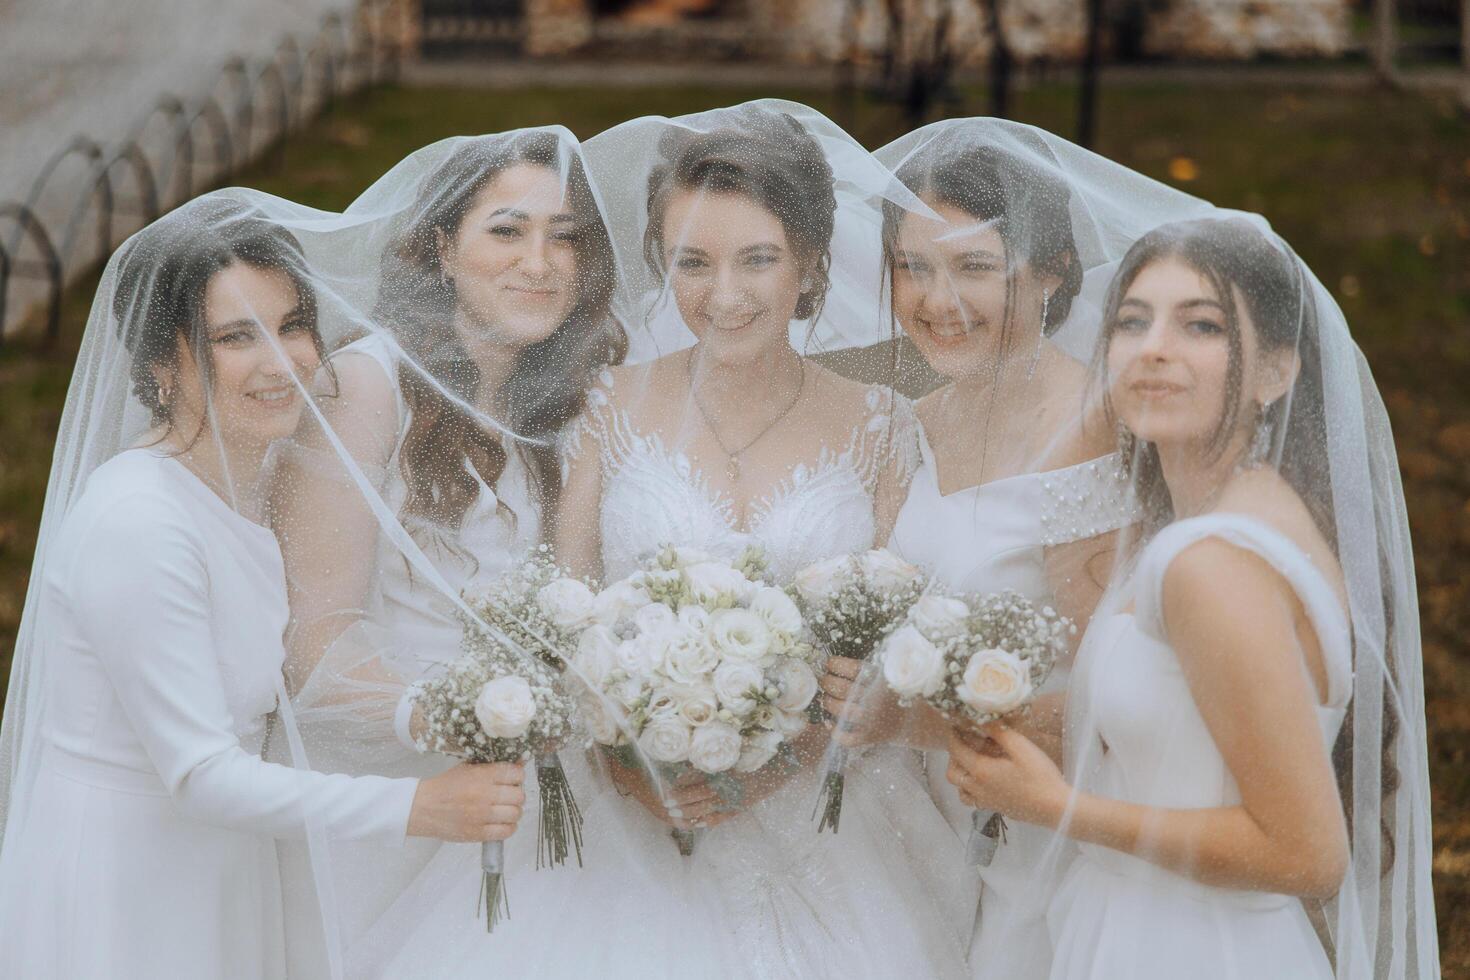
1260, 448
1040, 337
1127, 443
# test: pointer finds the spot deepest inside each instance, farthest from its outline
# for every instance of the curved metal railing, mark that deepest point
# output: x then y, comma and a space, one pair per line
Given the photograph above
250, 110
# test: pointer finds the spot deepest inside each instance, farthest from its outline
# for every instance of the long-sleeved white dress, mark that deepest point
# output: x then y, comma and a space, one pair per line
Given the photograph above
144, 845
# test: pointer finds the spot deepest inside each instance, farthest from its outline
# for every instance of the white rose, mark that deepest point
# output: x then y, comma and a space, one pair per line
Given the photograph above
995, 682
627, 692
599, 720
695, 618
791, 723
734, 681
776, 609
688, 657
641, 655
759, 749
886, 571
505, 707
939, 615
715, 747
710, 580
596, 656
567, 602
654, 618
912, 665
798, 685
819, 582
666, 739
739, 634
697, 705
618, 602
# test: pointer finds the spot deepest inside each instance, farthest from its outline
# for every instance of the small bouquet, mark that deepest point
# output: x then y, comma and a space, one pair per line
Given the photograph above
505, 700
851, 604
975, 659
696, 664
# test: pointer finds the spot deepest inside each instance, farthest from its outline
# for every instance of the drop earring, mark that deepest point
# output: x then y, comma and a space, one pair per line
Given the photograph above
1041, 336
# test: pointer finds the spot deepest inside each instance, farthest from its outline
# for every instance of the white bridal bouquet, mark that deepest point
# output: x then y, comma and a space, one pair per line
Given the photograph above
975, 659
506, 700
851, 603
695, 663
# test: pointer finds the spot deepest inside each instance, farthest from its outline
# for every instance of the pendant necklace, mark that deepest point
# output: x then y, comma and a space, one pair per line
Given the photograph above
732, 457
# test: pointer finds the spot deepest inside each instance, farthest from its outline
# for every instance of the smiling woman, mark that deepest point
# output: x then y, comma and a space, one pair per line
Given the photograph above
139, 813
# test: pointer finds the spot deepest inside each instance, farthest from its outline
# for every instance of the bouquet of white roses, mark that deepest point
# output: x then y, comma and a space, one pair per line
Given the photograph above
542, 610
975, 659
505, 700
851, 603
695, 663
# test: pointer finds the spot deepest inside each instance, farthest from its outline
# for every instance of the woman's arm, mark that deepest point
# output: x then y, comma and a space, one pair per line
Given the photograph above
1248, 676
144, 608
576, 533
322, 511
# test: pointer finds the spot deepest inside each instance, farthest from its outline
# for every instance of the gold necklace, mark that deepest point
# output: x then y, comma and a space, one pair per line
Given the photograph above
732, 458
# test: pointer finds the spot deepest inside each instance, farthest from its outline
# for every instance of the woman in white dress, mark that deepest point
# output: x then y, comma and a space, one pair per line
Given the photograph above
491, 320
1208, 700
139, 814
1016, 489
735, 440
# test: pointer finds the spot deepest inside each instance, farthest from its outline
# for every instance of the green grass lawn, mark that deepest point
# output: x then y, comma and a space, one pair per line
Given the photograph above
1373, 190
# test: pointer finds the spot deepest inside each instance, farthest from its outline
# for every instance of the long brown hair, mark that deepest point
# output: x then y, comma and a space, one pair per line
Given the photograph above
547, 387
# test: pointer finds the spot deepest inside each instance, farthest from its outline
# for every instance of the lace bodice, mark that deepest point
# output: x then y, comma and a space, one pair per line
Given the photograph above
654, 495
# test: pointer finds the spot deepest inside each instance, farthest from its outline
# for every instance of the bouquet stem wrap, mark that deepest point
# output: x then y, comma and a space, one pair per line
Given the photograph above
492, 885
987, 833
829, 798
559, 832
686, 839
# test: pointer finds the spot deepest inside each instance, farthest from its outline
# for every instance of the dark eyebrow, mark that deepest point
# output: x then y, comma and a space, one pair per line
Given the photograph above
1202, 302
980, 253
242, 322
761, 247
514, 213
1131, 301
690, 249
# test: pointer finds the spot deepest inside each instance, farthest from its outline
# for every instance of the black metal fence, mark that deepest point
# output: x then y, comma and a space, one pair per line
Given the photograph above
252, 106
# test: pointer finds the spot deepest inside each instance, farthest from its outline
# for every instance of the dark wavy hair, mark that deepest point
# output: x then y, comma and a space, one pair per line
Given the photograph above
1028, 203
162, 275
548, 386
768, 158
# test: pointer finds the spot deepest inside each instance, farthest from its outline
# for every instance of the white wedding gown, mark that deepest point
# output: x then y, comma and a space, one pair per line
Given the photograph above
1117, 915
989, 538
412, 627
764, 895
146, 848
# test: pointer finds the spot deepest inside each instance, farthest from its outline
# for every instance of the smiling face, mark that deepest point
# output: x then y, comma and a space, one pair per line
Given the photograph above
262, 350
949, 291
1173, 376
733, 273
513, 258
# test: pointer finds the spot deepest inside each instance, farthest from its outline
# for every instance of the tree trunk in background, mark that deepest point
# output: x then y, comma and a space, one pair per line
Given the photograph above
1000, 60
1087, 97
1385, 41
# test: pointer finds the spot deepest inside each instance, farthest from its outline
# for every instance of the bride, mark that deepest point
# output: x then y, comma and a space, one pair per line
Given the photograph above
735, 440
